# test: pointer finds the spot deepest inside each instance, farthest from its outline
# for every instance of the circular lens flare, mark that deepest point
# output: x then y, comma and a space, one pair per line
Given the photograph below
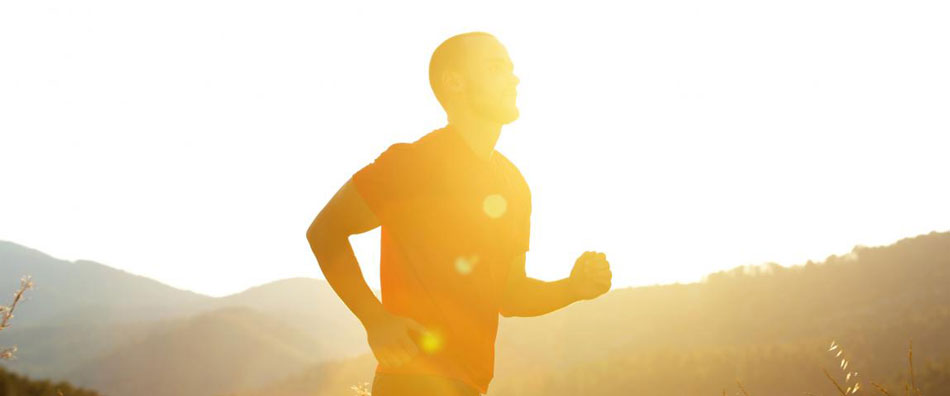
465, 265
430, 342
494, 206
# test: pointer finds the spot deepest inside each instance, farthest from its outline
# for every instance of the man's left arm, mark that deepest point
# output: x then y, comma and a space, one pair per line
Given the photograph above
526, 296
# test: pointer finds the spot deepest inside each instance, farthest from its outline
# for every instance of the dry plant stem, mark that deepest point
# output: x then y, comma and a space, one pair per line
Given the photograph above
742, 388
843, 393
881, 388
910, 361
25, 284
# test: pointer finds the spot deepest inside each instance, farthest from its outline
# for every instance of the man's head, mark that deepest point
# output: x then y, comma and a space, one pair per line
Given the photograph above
472, 73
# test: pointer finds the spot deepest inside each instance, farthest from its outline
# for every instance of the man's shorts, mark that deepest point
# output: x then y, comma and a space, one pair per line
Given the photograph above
419, 385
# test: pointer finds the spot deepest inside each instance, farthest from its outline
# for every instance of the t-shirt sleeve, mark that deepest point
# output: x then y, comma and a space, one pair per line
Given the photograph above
384, 183
522, 222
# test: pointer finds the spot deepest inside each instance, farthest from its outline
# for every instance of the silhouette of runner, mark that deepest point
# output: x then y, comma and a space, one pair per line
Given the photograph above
455, 223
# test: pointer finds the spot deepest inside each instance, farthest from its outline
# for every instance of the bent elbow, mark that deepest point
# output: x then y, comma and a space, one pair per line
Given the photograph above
321, 236
315, 232
311, 233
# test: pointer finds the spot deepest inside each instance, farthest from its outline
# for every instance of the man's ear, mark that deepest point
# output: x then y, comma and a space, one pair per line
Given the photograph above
452, 81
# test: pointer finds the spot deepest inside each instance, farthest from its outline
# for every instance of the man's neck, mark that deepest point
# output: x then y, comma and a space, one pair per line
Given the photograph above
480, 134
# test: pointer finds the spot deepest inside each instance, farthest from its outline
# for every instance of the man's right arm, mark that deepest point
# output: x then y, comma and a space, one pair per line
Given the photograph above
344, 215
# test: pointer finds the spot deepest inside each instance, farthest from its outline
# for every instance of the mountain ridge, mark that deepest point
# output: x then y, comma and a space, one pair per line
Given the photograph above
768, 326
81, 311
735, 323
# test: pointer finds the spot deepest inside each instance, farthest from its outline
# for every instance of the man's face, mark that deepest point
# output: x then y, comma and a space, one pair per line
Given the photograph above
490, 86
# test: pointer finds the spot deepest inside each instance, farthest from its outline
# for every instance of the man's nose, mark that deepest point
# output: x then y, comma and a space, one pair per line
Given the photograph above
515, 80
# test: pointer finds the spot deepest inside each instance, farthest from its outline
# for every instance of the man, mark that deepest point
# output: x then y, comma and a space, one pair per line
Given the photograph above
455, 224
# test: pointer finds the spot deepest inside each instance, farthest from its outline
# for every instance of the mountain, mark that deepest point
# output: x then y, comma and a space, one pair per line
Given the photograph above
310, 305
80, 310
51, 351
92, 324
219, 351
329, 378
767, 326
85, 291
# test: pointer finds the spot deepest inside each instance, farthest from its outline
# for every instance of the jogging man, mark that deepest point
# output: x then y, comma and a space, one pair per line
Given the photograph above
455, 217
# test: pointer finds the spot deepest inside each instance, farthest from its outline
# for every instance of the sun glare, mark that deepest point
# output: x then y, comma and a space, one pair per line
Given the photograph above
495, 206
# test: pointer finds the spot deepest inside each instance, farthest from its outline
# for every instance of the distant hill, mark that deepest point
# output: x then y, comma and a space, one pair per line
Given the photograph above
767, 326
79, 310
309, 305
330, 378
51, 351
219, 351
87, 323
85, 291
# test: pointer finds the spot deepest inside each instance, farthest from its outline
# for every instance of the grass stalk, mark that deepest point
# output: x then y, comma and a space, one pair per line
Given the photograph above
840, 389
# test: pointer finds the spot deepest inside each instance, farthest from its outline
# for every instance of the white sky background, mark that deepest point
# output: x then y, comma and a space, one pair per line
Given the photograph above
194, 141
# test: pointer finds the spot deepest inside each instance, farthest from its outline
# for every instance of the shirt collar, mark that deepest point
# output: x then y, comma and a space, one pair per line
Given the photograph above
459, 145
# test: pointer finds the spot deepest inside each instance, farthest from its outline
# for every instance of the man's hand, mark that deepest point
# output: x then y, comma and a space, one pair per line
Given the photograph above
390, 338
591, 275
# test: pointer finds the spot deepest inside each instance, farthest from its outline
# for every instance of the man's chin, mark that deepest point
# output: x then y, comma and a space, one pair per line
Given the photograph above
500, 115
508, 116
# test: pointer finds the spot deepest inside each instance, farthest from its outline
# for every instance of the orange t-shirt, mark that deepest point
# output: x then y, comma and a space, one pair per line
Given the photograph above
451, 225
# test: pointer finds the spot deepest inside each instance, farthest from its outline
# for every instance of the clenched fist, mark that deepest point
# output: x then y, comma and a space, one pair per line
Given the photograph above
591, 275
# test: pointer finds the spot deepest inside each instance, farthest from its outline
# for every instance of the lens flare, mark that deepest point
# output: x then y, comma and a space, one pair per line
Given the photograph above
430, 342
495, 206
465, 265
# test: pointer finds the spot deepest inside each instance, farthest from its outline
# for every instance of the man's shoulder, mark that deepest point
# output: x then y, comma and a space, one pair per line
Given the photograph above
507, 163
396, 155
407, 151
434, 140
408, 158
511, 169
420, 146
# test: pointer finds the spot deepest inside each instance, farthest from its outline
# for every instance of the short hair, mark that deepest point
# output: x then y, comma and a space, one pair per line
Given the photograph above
451, 54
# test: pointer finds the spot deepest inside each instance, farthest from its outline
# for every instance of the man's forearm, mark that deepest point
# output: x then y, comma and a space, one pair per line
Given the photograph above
533, 297
338, 263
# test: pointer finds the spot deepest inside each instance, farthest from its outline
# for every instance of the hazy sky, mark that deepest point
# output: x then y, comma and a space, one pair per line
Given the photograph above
194, 141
